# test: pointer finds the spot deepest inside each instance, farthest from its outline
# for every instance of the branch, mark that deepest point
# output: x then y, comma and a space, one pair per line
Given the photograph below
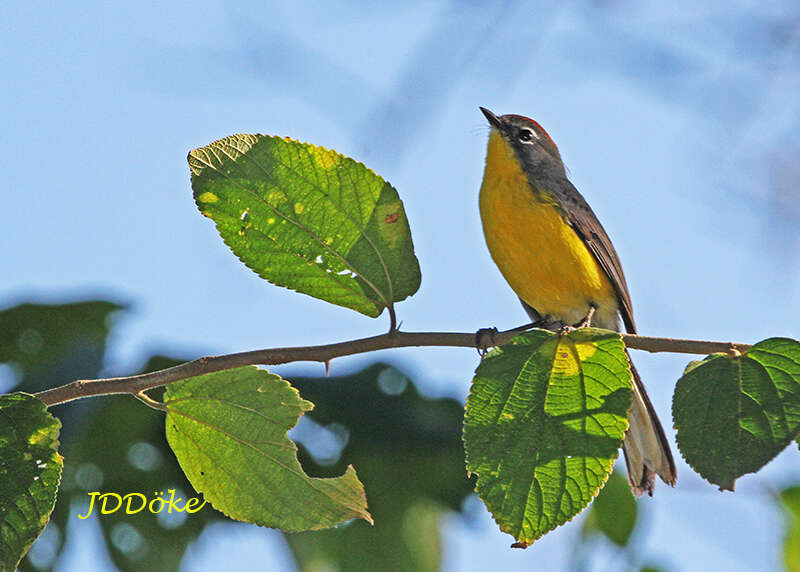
677, 346
135, 384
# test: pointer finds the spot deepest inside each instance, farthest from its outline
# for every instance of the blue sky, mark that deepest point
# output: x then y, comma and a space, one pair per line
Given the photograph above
679, 124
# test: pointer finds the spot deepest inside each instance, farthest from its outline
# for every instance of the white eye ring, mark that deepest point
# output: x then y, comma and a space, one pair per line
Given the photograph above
527, 135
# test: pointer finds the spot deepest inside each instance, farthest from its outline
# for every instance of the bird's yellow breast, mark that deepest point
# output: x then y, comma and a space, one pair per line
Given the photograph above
541, 257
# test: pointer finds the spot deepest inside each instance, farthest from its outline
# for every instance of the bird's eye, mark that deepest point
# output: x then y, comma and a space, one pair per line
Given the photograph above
525, 135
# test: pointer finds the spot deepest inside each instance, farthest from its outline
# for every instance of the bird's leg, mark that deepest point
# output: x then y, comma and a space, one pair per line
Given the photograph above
540, 323
550, 323
586, 322
485, 337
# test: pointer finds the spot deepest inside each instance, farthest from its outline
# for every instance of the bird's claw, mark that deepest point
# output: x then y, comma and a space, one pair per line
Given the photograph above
565, 329
485, 339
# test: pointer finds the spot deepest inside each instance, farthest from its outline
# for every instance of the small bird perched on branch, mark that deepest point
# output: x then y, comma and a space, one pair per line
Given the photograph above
557, 257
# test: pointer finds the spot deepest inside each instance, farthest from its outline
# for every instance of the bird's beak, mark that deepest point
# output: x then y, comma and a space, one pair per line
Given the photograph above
494, 121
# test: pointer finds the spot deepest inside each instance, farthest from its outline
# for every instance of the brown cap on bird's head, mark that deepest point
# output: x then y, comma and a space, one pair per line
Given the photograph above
522, 131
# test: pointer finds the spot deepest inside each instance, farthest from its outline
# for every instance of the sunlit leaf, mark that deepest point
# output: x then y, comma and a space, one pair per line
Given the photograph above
734, 414
309, 219
544, 421
30, 470
228, 431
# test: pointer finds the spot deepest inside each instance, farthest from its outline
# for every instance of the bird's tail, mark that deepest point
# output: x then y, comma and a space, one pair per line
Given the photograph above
645, 446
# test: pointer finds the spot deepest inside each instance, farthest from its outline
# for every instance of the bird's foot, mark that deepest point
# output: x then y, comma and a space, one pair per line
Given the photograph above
564, 329
484, 340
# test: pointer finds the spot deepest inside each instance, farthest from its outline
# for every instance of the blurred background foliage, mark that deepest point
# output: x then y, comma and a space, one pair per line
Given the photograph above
406, 448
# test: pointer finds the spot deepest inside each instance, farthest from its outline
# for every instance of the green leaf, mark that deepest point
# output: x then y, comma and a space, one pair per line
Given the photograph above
30, 470
544, 421
309, 219
790, 500
228, 431
613, 512
734, 414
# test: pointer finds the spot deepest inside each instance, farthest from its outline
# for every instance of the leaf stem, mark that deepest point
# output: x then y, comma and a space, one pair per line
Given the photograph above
135, 384
149, 401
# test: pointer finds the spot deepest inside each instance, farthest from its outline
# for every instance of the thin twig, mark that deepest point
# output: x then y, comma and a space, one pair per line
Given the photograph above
394, 339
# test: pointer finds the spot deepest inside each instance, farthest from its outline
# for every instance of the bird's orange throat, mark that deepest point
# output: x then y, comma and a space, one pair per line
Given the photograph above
541, 257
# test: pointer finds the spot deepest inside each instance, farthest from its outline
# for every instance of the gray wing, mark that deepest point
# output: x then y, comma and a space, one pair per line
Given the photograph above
585, 223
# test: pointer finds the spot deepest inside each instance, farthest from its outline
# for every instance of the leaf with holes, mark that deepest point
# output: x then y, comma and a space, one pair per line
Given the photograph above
30, 470
228, 431
734, 414
309, 219
544, 420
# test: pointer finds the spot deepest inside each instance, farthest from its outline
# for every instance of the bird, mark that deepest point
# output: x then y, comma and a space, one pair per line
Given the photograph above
557, 257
